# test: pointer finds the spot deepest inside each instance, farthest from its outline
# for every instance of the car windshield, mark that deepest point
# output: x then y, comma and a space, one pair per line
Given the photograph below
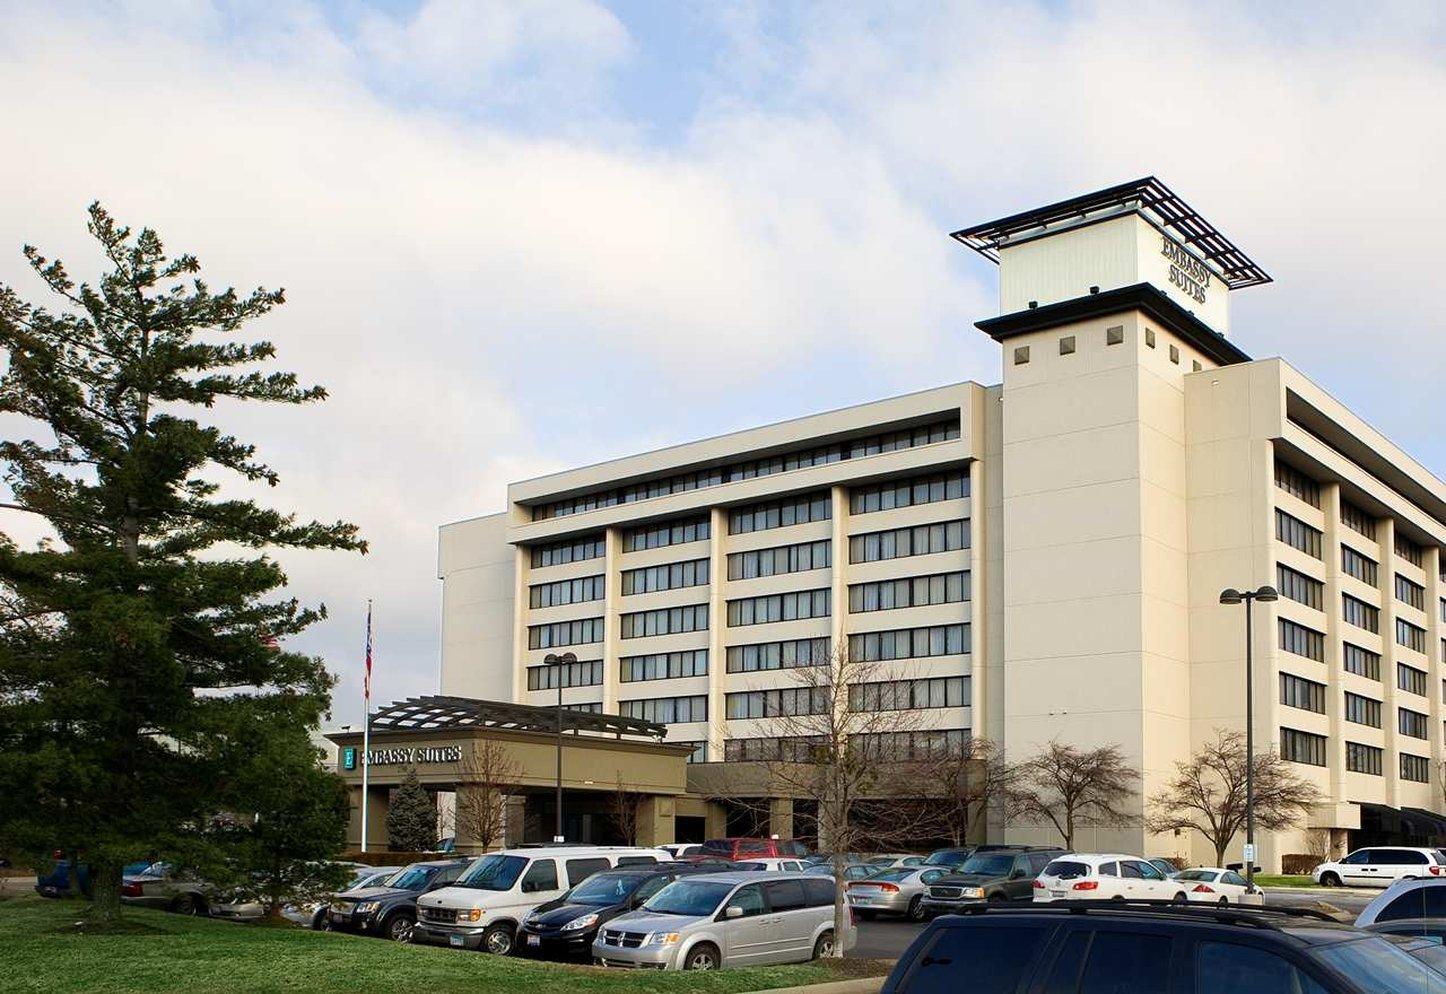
820, 870
604, 889
893, 876
1065, 869
412, 877
495, 872
945, 857
990, 865
694, 898
1205, 875
1378, 966
369, 878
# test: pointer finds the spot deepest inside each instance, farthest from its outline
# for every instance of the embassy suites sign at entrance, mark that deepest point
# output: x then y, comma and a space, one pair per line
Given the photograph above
401, 756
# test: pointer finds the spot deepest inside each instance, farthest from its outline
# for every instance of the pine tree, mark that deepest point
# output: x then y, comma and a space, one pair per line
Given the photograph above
412, 817
140, 647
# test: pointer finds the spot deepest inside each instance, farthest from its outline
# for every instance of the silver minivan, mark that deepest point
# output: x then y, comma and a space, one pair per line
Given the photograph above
715, 920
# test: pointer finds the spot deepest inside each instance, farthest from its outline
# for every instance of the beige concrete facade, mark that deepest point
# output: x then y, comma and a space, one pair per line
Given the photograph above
1122, 474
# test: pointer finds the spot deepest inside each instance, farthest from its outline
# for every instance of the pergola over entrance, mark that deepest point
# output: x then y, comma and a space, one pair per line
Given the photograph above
439, 711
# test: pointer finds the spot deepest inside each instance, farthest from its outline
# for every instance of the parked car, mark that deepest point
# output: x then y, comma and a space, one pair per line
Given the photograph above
886, 861
1426, 948
747, 848
390, 909
718, 920
1380, 866
770, 864
161, 885
949, 857
1215, 885
813, 859
1145, 950
1105, 877
678, 850
853, 871
484, 907
1002, 875
898, 890
1166, 867
567, 927
314, 915
1415, 902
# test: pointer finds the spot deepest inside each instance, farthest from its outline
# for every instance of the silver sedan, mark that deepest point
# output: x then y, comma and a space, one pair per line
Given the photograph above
897, 891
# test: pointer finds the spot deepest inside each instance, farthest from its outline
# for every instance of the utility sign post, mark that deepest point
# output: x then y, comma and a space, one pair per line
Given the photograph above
366, 728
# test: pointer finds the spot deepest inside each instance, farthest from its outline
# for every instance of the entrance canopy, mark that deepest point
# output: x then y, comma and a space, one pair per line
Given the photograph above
442, 712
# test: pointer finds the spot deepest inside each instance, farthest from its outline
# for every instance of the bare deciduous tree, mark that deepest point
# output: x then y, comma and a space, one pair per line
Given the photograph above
968, 783
624, 809
1071, 788
1207, 794
485, 775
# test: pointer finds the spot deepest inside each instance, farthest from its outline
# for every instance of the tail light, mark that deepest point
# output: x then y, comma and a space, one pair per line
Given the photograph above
891, 888
1039, 885
132, 890
1087, 885
1202, 889
1435, 870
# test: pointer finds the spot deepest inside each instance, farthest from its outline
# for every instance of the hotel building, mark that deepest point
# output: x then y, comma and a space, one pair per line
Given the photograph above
1043, 557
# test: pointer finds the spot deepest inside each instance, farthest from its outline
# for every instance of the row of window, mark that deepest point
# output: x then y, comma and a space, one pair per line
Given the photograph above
672, 533
667, 710
664, 665
1299, 587
560, 633
1301, 640
909, 643
1297, 534
1410, 551
667, 576
584, 588
1307, 695
1360, 566
1410, 679
584, 673
780, 560
917, 591
919, 540
783, 702
1362, 662
572, 550
1357, 520
893, 746
891, 441
780, 514
665, 621
1363, 710
793, 606
778, 655
1409, 635
1297, 484
1410, 592
1308, 591
1308, 642
1357, 612
908, 493
1297, 692
910, 695
1361, 758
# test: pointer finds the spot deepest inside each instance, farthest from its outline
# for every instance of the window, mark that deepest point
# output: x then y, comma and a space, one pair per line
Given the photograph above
1357, 520
579, 870
784, 895
1409, 635
943, 430
780, 514
585, 588
920, 540
1421, 902
667, 710
910, 695
1412, 723
793, 606
1408, 550
1363, 759
918, 591
908, 493
1359, 613
994, 955
1297, 484
664, 666
1195, 365
1115, 335
699, 753
749, 899
1299, 587
1021, 355
1415, 768
909, 643
668, 576
665, 621
1301, 640
540, 876
1362, 662
1361, 567
818, 891
1066, 345
1175, 354
1362, 710
1297, 534
571, 551
1227, 968
584, 673
1302, 747
562, 633
770, 749
1410, 592
908, 746
785, 702
1307, 695
1138, 962
658, 536
777, 655
783, 559
1150, 337
1410, 679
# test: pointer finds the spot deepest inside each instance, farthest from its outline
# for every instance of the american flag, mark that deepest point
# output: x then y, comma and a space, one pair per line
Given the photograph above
367, 683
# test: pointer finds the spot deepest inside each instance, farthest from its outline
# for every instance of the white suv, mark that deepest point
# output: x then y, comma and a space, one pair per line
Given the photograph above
1104, 877
1380, 866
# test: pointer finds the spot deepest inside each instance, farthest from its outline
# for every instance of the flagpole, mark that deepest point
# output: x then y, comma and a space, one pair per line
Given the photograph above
366, 729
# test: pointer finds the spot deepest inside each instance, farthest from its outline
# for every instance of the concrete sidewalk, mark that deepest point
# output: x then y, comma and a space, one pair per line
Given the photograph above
863, 985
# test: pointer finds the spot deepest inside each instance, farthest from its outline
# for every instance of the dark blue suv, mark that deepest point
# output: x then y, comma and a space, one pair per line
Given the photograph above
1153, 949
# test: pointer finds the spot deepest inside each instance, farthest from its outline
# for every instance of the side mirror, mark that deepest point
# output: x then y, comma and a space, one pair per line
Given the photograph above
732, 911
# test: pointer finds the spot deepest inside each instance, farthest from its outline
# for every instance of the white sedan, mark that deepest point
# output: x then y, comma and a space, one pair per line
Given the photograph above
1213, 885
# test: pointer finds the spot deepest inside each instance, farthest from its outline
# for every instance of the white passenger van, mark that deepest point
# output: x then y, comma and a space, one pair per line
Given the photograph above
489, 900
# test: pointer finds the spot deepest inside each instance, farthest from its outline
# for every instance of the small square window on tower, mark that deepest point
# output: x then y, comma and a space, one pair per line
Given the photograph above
1195, 365
1150, 337
1021, 355
1066, 345
1174, 354
1115, 335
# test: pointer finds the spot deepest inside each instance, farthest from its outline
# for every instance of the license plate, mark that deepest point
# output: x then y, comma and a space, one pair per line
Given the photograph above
860, 899
455, 940
534, 940
1058, 893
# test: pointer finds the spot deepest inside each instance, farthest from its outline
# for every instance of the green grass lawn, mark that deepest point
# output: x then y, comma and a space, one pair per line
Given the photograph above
1271, 880
41, 951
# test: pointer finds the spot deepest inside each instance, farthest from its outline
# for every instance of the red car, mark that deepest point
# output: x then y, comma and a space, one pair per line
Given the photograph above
750, 848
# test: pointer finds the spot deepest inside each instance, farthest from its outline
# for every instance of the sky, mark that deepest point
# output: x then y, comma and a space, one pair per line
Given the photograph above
520, 236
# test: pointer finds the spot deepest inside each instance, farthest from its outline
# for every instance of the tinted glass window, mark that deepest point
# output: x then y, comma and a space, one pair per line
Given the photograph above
495, 872
1131, 870
1398, 857
1110, 870
1064, 975
818, 892
1149, 871
987, 959
785, 895
1127, 963
450, 873
750, 899
638, 860
1065, 869
1420, 902
1357, 858
929, 876
1380, 967
541, 875
1037, 862
1231, 877
1225, 968
579, 870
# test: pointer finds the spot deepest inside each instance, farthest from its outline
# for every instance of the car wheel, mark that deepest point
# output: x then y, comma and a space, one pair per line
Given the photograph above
186, 904
703, 957
916, 909
1224, 902
498, 939
1329, 880
997, 898
823, 948
1180, 898
398, 927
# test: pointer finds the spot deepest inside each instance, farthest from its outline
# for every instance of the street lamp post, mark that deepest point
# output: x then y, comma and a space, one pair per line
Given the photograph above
553, 659
1230, 595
